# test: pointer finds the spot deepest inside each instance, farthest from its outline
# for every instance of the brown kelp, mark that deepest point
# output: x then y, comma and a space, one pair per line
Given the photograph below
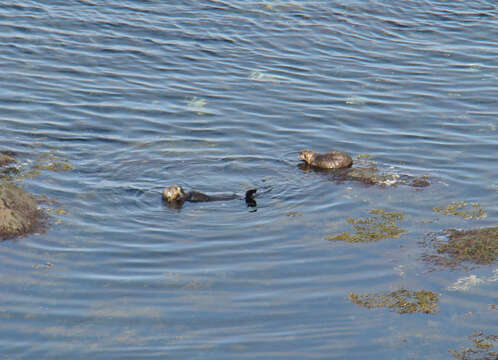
401, 301
382, 225
454, 247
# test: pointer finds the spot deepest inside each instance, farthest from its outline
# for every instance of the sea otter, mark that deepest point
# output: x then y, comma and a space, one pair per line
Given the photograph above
330, 160
339, 165
176, 196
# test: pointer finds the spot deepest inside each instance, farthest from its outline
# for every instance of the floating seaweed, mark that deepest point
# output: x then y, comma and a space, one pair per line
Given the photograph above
12, 171
374, 228
50, 160
363, 156
401, 301
461, 208
481, 348
476, 246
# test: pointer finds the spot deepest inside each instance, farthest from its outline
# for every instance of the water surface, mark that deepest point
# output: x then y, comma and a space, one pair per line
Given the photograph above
220, 97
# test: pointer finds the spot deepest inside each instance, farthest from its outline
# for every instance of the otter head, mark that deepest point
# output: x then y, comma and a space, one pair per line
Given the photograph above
306, 155
174, 193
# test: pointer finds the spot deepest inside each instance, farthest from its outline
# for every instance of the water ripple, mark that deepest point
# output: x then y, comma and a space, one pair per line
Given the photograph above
219, 96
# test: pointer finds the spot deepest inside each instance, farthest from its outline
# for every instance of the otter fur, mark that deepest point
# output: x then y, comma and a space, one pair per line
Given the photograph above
175, 195
330, 160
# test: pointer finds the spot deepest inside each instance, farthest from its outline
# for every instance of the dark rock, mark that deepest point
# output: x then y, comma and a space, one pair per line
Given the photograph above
19, 213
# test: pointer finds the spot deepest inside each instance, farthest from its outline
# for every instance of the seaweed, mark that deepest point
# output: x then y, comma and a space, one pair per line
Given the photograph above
363, 156
481, 348
461, 208
477, 246
373, 228
401, 301
6, 157
50, 160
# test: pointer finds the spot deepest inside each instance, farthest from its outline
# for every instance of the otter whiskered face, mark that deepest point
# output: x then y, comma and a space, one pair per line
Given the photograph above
306, 155
173, 193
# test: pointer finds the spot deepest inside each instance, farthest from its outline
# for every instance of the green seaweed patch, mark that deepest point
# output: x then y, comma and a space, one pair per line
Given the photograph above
9, 173
51, 161
6, 157
481, 348
462, 209
401, 301
477, 246
374, 228
8, 170
363, 156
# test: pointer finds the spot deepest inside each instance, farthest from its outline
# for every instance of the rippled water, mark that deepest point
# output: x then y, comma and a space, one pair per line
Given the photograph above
219, 96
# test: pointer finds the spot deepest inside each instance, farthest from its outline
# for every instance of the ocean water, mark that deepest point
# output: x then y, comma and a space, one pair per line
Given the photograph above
220, 96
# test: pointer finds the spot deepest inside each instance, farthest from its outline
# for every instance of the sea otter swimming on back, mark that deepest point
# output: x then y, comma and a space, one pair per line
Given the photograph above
176, 196
330, 160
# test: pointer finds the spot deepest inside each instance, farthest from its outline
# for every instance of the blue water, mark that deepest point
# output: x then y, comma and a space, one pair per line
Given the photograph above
219, 96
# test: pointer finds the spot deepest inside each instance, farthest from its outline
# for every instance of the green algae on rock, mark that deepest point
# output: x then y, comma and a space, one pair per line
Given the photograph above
11, 171
373, 228
476, 246
401, 301
481, 349
6, 157
19, 213
460, 208
7, 170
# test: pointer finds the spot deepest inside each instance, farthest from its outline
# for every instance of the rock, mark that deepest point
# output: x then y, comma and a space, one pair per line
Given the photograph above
19, 213
421, 181
369, 175
6, 157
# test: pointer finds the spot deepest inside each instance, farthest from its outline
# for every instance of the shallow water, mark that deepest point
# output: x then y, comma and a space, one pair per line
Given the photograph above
219, 97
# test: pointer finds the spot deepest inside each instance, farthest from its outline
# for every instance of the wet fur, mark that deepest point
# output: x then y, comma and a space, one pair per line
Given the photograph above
330, 160
176, 196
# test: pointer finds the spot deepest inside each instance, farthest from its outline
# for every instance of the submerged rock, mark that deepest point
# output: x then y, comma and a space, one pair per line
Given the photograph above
367, 175
6, 157
19, 213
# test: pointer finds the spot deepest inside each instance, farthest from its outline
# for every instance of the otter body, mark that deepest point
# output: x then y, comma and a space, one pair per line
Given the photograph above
330, 160
339, 164
176, 196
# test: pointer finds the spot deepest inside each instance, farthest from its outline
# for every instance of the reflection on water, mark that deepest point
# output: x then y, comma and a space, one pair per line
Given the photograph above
130, 97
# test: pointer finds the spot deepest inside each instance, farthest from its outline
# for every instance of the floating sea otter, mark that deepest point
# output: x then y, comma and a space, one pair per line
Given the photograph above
339, 164
330, 160
175, 196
